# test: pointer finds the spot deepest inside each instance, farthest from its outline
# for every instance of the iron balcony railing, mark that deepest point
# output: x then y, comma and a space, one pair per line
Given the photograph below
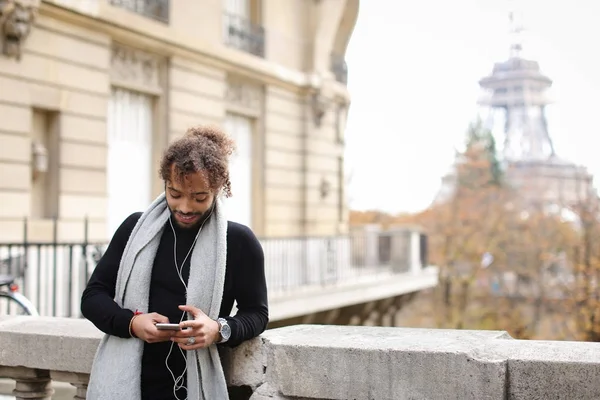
339, 68
242, 34
155, 9
53, 275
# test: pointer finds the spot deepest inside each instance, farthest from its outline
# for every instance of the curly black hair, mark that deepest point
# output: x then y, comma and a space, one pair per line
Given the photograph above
202, 148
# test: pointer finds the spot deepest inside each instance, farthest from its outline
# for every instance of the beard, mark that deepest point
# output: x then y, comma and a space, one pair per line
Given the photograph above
195, 219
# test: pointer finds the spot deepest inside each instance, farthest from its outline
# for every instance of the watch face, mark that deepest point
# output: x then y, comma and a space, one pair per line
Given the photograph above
225, 329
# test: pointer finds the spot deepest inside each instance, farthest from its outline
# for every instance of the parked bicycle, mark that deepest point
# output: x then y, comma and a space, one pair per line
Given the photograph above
12, 302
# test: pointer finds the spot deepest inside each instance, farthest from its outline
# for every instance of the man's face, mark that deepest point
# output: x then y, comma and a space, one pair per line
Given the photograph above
190, 200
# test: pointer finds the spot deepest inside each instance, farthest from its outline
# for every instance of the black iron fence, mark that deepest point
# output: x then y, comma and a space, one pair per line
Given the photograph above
53, 275
54, 272
154, 9
244, 35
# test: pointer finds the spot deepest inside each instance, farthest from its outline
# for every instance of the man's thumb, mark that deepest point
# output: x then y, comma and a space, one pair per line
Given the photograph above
196, 312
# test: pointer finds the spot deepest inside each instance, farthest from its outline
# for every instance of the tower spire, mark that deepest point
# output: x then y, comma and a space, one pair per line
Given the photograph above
515, 96
516, 88
515, 19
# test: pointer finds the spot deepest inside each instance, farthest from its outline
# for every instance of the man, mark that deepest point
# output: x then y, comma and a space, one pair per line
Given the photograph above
180, 258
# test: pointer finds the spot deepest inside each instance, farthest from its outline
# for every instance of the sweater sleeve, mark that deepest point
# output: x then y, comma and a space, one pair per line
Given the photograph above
97, 300
250, 291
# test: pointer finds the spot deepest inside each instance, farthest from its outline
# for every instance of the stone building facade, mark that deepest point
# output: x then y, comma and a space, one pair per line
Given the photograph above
92, 91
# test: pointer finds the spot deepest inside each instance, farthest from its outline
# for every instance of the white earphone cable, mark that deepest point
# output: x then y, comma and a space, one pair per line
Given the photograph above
178, 382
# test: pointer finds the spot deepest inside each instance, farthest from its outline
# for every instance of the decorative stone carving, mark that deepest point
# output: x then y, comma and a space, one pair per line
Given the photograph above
244, 94
16, 19
319, 107
135, 66
39, 159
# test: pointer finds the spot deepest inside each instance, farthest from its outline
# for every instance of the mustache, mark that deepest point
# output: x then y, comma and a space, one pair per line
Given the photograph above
187, 214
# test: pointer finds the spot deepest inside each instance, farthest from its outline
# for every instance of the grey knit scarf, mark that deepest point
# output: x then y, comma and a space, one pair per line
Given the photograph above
116, 371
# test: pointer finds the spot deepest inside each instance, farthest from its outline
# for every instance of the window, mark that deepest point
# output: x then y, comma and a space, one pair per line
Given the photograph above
339, 68
242, 26
341, 189
340, 123
154, 9
129, 169
239, 206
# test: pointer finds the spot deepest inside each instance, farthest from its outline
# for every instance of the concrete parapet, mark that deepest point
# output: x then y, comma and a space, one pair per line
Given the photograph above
344, 362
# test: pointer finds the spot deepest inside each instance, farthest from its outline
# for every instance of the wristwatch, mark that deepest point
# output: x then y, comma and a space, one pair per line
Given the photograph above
224, 330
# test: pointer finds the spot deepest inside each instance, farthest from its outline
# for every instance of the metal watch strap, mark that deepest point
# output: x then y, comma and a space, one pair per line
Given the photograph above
222, 322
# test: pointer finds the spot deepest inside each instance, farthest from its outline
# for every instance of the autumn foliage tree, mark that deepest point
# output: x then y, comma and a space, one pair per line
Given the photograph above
545, 268
580, 294
467, 225
505, 264
559, 268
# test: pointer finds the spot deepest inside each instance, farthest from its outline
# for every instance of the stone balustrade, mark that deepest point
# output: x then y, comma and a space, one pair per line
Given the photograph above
331, 362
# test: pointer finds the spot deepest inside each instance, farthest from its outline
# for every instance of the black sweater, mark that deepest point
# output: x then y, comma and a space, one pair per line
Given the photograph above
244, 283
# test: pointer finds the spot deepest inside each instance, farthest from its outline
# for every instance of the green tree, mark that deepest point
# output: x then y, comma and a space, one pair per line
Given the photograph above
482, 139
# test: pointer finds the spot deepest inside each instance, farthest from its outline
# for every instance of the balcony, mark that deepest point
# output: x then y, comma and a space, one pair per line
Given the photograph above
327, 362
339, 68
240, 33
304, 275
155, 9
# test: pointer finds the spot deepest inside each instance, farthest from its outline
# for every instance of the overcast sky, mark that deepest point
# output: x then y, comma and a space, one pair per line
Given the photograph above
413, 73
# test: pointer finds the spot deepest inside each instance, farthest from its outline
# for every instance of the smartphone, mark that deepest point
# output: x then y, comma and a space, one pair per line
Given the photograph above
168, 327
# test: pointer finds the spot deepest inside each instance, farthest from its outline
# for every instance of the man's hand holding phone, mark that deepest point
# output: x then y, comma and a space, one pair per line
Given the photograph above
168, 327
144, 327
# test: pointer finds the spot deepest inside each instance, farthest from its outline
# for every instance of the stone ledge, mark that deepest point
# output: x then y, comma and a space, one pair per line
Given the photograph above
336, 362
60, 344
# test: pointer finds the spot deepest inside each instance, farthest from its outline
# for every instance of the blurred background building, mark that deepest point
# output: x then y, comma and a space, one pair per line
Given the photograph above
513, 101
92, 91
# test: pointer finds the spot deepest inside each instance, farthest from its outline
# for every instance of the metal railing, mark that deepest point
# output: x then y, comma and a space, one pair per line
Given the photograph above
244, 35
339, 67
325, 262
155, 9
53, 275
